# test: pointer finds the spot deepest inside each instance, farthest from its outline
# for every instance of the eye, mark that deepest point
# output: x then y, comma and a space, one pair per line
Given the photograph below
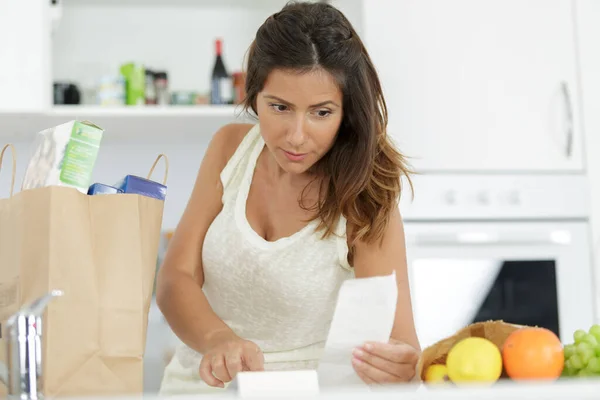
279, 107
323, 113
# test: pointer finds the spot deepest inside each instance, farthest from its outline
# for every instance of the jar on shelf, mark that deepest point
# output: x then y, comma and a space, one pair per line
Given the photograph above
151, 97
161, 83
111, 91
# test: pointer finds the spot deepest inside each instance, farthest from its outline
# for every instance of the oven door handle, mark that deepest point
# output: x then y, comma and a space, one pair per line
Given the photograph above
485, 239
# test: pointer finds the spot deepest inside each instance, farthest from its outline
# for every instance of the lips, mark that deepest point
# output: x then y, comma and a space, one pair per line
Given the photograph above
295, 156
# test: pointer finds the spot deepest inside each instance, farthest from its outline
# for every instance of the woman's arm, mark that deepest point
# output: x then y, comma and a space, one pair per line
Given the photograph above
180, 278
397, 360
382, 258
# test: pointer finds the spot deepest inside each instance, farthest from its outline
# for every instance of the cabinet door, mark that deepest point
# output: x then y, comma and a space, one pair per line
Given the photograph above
25, 82
477, 85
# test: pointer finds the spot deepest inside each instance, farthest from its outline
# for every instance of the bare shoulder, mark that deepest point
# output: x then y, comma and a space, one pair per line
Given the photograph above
227, 139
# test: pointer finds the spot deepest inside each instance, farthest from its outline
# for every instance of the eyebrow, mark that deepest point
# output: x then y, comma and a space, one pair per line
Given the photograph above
268, 96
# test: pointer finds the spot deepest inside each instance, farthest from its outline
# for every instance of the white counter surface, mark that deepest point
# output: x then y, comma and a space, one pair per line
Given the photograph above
565, 390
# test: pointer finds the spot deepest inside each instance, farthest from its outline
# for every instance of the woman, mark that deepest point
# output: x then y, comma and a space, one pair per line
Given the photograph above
284, 211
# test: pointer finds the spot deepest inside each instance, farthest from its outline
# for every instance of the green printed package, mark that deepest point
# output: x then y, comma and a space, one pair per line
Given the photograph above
64, 156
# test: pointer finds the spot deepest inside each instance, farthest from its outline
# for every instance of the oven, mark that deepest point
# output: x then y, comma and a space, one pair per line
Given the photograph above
512, 248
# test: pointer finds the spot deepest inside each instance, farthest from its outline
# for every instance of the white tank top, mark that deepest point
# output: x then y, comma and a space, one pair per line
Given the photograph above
280, 294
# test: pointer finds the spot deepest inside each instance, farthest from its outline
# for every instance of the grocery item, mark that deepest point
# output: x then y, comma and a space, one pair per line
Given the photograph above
221, 84
183, 98
437, 373
533, 353
582, 358
474, 360
64, 156
494, 331
135, 84
111, 90
151, 97
145, 187
161, 82
100, 188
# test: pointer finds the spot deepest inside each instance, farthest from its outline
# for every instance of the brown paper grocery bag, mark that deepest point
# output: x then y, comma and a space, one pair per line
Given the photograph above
102, 252
494, 331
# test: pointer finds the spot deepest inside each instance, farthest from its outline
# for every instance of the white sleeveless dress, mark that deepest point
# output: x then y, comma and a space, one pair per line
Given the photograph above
280, 295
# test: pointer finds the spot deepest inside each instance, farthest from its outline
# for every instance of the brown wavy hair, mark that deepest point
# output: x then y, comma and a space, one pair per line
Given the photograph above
361, 174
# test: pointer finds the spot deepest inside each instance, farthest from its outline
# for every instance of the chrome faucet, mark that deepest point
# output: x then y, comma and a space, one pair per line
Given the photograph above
22, 373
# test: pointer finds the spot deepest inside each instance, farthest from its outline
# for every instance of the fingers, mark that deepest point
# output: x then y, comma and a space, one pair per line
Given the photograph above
396, 352
403, 372
222, 365
219, 368
365, 378
369, 373
206, 373
386, 362
233, 362
253, 358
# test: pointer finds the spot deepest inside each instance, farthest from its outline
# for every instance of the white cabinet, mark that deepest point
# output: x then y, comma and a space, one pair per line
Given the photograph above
479, 85
588, 12
24, 55
84, 42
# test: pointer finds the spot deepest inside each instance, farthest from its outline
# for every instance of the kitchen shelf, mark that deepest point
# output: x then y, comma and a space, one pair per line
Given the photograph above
172, 3
173, 124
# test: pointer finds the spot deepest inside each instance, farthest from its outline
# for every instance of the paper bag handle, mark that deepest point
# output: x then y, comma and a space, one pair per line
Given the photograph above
14, 165
156, 163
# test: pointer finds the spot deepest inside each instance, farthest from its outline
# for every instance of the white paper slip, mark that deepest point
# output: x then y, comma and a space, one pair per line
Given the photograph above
365, 312
277, 383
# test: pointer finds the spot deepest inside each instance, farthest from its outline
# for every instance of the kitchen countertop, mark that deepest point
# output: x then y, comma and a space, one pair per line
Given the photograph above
576, 389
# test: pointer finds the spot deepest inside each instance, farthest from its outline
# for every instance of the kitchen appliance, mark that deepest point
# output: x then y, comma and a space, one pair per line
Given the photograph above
487, 247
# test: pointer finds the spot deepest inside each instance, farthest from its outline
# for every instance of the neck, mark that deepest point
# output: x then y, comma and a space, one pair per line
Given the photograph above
279, 175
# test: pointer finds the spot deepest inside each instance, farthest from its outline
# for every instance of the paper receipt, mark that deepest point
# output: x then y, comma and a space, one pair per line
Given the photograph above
364, 312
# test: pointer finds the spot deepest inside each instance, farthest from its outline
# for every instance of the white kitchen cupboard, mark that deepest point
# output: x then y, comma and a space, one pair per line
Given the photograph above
479, 85
24, 55
82, 41
588, 12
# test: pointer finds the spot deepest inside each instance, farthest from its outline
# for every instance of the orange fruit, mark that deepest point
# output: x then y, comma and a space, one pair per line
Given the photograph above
533, 353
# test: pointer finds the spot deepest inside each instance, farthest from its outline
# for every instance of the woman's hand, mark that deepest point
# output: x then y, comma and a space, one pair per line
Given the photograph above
384, 363
228, 355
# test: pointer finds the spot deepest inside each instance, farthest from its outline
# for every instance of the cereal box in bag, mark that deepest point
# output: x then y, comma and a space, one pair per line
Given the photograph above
64, 155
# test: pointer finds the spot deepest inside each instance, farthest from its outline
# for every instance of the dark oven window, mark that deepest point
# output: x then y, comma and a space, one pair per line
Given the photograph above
523, 293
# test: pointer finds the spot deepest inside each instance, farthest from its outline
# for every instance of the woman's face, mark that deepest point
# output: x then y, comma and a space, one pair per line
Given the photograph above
299, 116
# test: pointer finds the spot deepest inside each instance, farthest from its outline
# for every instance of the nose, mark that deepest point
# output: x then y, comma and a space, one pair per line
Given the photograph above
297, 133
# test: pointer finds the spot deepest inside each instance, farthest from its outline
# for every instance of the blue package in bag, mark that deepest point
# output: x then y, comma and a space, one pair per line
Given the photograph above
100, 188
133, 184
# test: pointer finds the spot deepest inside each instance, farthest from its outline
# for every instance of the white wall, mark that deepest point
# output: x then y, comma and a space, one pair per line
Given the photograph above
94, 38
588, 14
24, 74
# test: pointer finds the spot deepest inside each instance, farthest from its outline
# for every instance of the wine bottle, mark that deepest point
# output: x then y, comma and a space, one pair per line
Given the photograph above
221, 90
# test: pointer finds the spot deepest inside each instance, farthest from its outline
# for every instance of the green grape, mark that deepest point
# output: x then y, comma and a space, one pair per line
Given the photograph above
589, 338
568, 369
584, 373
576, 362
569, 350
597, 350
595, 330
594, 366
583, 345
586, 353
568, 363
568, 372
578, 335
